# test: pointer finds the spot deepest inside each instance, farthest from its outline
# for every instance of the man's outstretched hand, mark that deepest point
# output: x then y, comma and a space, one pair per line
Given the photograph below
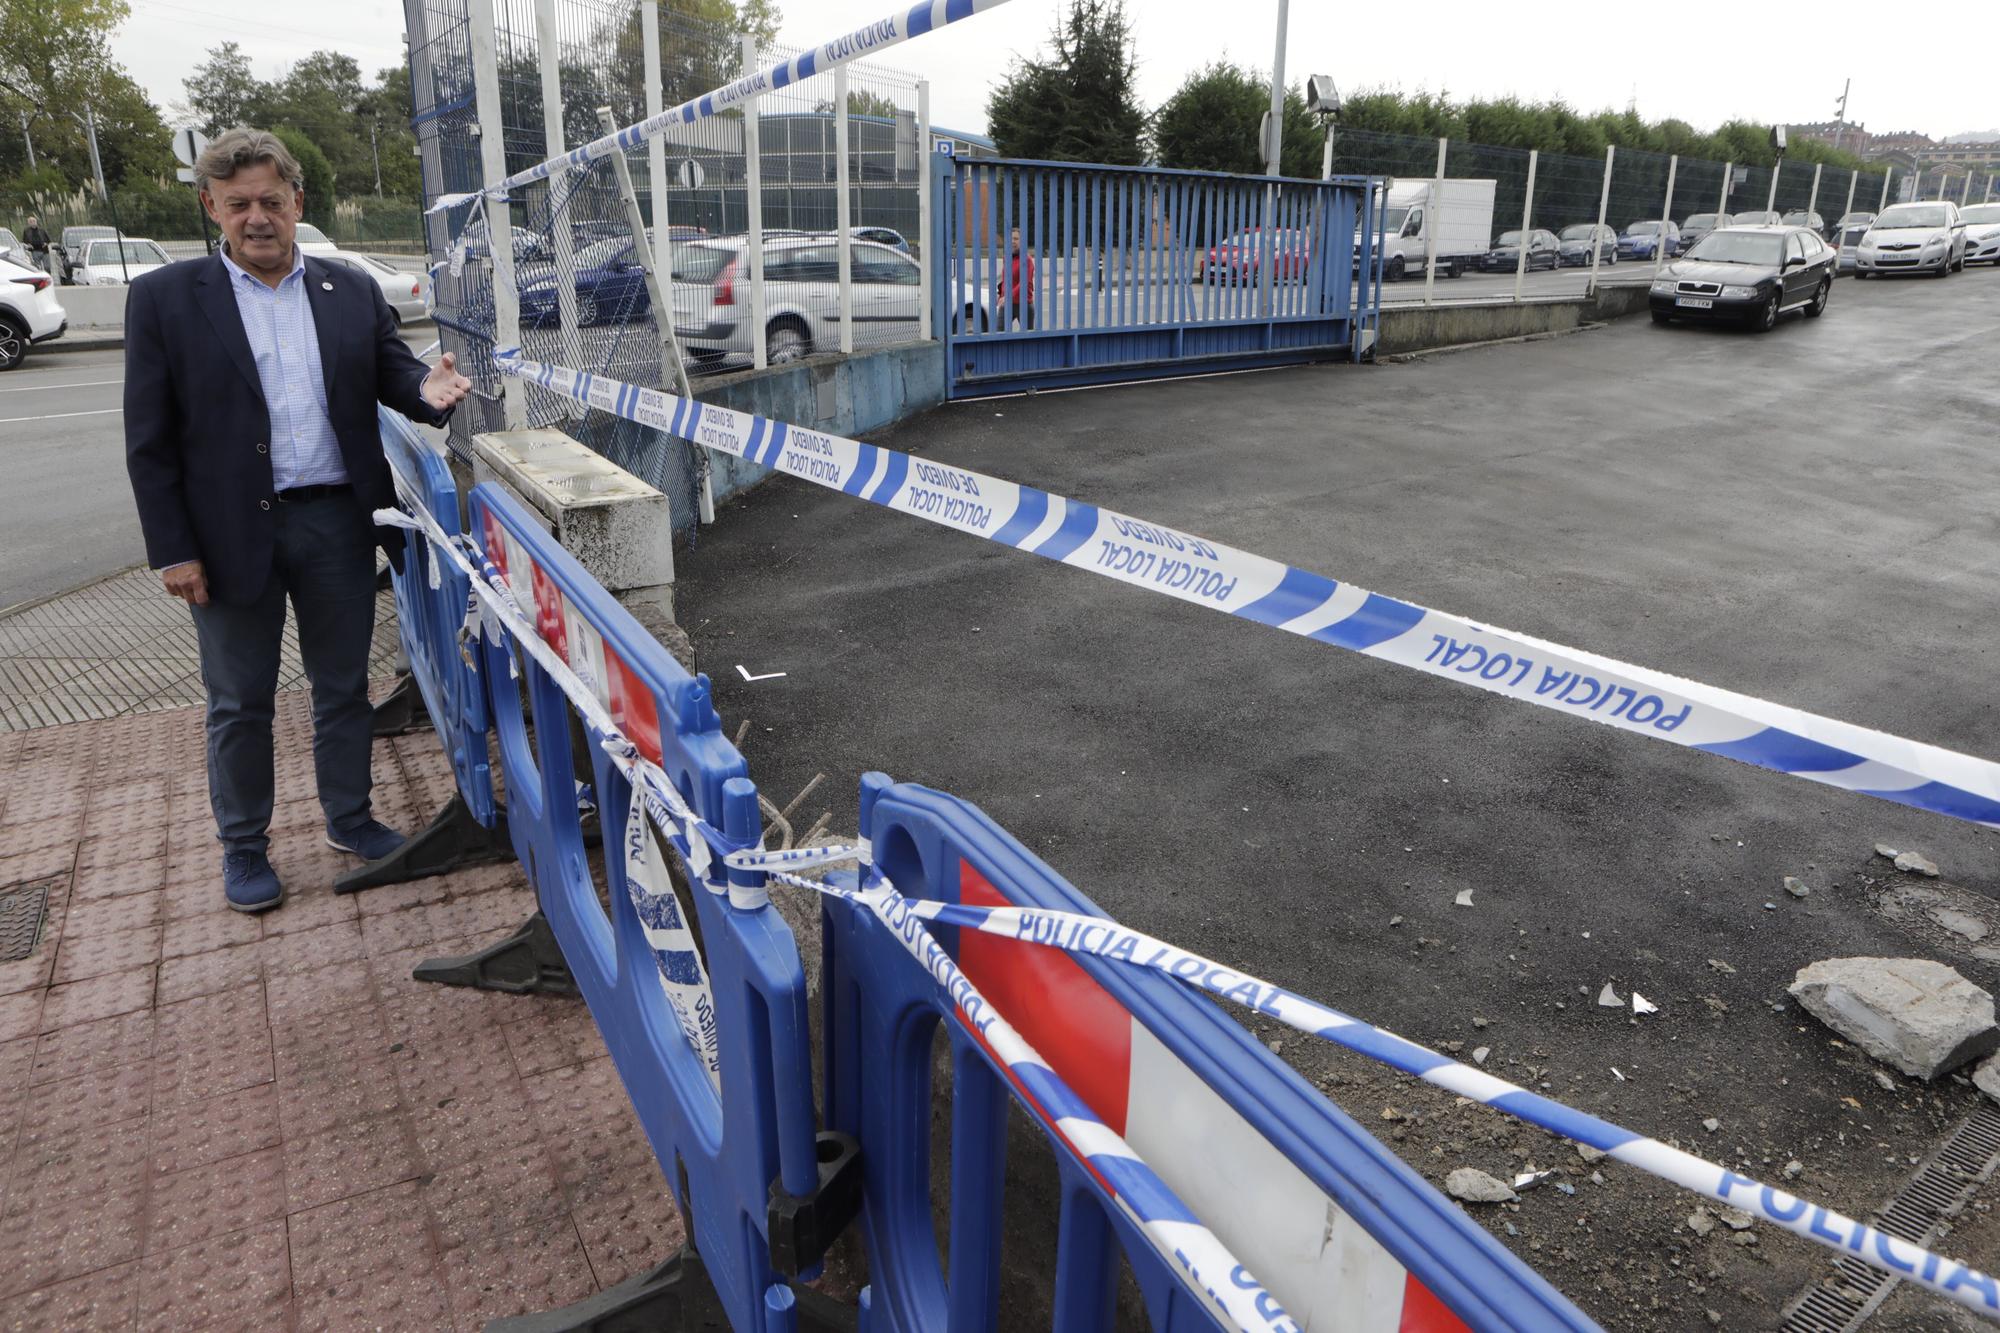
444, 387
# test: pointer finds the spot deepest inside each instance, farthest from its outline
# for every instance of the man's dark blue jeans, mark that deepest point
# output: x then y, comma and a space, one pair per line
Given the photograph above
325, 563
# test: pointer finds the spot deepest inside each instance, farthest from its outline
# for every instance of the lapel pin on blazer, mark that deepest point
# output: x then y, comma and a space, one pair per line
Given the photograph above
326, 286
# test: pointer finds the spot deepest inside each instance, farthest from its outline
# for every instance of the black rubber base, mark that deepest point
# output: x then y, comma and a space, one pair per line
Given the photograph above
528, 962
402, 710
453, 841
676, 1297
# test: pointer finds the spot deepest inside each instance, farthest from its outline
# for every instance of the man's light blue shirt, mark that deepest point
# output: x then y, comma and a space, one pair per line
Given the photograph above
285, 342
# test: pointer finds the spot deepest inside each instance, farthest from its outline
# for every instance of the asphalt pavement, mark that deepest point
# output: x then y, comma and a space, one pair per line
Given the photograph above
1806, 516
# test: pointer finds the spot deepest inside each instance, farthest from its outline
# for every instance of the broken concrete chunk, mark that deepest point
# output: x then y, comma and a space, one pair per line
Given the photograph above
1917, 862
1711, 1124
1701, 1222
1736, 1219
1479, 1055
1590, 1154
1797, 887
1475, 1186
1793, 1168
1722, 967
1962, 924
1918, 1015
1885, 850
1609, 998
1884, 1082
1987, 1077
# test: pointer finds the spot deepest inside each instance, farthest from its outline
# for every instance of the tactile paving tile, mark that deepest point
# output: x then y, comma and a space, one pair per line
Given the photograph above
205, 1201
121, 646
103, 1098
104, 1300
194, 975
22, 913
201, 1132
351, 1158
368, 1262
88, 1046
537, 1268
628, 1232
494, 1193
241, 1279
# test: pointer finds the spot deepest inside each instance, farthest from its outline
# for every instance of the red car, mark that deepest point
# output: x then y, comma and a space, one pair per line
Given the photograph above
1237, 259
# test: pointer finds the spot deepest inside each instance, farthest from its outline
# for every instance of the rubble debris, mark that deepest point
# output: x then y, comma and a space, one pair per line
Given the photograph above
1884, 1082
1711, 1124
1920, 1016
1701, 1221
1590, 1154
1610, 998
1962, 924
1642, 1005
1479, 1055
1464, 898
1527, 1180
1475, 1186
1883, 849
1797, 887
1918, 862
1987, 1077
1793, 1168
1722, 967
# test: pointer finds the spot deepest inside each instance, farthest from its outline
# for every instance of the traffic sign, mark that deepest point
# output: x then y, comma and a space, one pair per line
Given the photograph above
188, 143
185, 175
690, 174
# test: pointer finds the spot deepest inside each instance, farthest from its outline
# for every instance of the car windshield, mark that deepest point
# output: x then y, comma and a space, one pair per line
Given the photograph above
602, 253
311, 235
699, 263
1700, 222
1738, 247
1393, 219
1981, 213
1580, 232
1508, 238
1912, 215
136, 252
1797, 219
1643, 229
1853, 219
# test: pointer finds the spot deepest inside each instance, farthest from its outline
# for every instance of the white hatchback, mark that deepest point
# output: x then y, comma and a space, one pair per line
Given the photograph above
101, 264
29, 312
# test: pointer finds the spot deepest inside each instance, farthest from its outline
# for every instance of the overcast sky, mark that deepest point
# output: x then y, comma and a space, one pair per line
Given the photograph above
1793, 72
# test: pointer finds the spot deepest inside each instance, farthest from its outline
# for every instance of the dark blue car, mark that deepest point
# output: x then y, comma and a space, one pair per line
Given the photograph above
610, 287
1639, 239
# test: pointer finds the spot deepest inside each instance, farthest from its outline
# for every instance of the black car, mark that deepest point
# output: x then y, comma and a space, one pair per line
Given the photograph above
1544, 251
1746, 275
1698, 226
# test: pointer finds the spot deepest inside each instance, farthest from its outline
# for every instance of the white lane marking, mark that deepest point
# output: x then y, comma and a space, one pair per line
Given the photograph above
768, 675
58, 416
61, 384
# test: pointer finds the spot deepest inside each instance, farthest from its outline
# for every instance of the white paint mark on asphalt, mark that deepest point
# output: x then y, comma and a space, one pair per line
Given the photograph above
768, 675
58, 416
60, 384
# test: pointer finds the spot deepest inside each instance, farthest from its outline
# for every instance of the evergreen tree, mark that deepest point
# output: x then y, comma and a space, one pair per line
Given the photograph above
1079, 102
1211, 123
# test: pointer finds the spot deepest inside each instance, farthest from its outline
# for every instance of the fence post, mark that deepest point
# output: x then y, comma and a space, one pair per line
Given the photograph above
753, 216
1431, 226
1812, 200
548, 44
1527, 221
1603, 206
499, 215
1853, 181
924, 249
656, 147
1888, 173
1965, 195
1728, 182
1989, 188
423, 103
843, 211
1771, 197
1666, 216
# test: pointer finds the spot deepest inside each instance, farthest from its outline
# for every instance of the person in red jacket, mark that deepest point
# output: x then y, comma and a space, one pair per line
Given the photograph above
1017, 286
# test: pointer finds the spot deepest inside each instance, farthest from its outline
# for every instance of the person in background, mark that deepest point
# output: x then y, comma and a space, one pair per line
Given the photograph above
1017, 286
37, 242
251, 383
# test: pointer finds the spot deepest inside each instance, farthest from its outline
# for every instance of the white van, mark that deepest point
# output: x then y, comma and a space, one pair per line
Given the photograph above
1461, 218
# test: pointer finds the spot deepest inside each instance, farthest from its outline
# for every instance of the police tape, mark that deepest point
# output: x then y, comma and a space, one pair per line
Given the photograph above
704, 847
1234, 582
869, 39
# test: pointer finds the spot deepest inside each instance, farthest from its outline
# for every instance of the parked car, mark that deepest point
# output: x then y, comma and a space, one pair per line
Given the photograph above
888, 236
1697, 226
1846, 237
1641, 238
312, 241
609, 283
403, 291
1758, 218
108, 263
29, 312
69, 248
1575, 244
802, 306
1544, 251
1923, 237
1982, 234
1800, 217
1746, 275
1240, 258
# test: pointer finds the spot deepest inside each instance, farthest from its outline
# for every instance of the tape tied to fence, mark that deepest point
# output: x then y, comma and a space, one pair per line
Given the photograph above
866, 40
705, 847
1222, 578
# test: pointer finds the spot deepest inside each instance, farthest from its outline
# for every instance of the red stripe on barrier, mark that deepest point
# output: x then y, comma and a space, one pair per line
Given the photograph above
1084, 1034
496, 544
549, 614
632, 706
1423, 1312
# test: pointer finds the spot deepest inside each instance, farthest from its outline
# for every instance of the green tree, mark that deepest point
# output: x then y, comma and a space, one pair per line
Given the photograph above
55, 61
318, 173
1211, 124
863, 102
223, 92
1079, 102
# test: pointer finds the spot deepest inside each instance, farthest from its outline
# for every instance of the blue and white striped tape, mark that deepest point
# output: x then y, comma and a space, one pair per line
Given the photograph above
1156, 1210
867, 40
1160, 559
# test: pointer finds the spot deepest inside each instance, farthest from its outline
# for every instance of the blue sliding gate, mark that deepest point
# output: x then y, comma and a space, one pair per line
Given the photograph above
1047, 274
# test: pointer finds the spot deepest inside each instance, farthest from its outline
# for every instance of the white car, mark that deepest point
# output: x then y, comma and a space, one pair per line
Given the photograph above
312, 241
403, 291
1923, 237
29, 312
801, 294
1982, 234
100, 264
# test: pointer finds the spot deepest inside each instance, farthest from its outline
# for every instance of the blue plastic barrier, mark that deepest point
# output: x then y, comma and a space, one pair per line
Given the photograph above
722, 1147
1345, 1235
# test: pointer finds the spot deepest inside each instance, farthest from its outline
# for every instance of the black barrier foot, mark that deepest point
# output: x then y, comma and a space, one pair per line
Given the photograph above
803, 1229
453, 841
402, 710
676, 1297
528, 962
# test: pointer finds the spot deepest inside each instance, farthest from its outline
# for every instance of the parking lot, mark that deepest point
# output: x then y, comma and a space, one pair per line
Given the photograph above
1806, 516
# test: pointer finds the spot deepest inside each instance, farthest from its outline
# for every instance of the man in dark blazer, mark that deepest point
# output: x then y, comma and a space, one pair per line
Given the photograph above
251, 379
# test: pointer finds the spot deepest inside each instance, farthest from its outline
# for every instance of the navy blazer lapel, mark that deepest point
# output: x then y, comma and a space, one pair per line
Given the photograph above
320, 292
218, 302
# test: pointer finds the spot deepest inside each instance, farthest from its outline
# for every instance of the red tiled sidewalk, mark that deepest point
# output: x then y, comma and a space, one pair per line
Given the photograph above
209, 1120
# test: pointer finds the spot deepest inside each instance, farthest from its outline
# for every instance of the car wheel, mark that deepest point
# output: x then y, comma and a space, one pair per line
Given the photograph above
1394, 272
1662, 317
1818, 306
1767, 314
586, 309
13, 344
784, 343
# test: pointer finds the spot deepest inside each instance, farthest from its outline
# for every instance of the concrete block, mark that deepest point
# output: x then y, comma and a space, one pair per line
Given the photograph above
1918, 1015
619, 528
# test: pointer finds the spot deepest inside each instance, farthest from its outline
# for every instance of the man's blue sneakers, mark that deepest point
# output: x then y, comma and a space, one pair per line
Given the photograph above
370, 841
250, 883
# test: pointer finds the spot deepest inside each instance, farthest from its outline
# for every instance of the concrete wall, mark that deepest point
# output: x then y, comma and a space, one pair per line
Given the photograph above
93, 307
1417, 329
839, 395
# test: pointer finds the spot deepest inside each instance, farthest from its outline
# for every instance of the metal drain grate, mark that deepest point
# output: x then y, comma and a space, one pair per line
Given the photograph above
1941, 1187
22, 912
